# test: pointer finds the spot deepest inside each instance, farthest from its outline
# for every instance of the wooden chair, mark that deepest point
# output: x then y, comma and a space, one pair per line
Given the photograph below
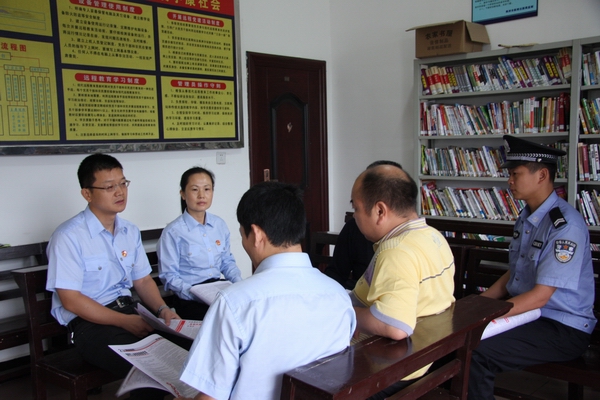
319, 244
484, 267
64, 368
376, 363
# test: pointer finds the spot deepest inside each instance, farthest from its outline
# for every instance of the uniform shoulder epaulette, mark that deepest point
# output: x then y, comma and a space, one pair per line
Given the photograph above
557, 218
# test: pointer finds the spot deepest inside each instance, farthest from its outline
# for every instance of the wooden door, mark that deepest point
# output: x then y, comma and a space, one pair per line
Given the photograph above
288, 128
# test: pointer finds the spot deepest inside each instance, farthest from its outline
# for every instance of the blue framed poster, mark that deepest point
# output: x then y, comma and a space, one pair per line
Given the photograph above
492, 11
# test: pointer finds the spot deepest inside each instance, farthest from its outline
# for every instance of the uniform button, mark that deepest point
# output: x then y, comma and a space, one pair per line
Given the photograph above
585, 325
517, 279
522, 256
527, 232
99, 268
189, 254
204, 235
121, 258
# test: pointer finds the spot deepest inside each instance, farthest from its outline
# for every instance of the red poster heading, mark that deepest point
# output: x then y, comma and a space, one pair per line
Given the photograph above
224, 7
182, 83
108, 5
194, 19
114, 79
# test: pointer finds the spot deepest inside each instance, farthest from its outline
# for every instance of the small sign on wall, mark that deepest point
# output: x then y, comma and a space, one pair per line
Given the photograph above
492, 11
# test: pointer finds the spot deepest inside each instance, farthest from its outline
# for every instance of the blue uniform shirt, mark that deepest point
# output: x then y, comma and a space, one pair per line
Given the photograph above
285, 315
190, 253
553, 248
85, 257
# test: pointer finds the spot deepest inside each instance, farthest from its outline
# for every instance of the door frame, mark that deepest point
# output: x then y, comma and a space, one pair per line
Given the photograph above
256, 60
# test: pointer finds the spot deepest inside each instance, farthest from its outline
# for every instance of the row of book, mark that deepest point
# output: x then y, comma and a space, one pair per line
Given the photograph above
476, 236
588, 205
505, 74
589, 116
531, 115
588, 162
482, 203
590, 68
484, 161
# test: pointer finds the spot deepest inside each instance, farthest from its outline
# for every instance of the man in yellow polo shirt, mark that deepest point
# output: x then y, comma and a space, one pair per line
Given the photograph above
411, 274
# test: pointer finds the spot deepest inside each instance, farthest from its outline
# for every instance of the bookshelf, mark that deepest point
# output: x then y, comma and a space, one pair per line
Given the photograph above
483, 95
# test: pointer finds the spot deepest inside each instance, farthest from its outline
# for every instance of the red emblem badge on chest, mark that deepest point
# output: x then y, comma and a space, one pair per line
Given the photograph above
218, 242
124, 253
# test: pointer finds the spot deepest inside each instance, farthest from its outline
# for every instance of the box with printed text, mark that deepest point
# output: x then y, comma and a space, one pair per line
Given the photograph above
445, 38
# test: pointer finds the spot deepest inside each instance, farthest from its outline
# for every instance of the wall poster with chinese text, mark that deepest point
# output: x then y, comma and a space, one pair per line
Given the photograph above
135, 75
492, 11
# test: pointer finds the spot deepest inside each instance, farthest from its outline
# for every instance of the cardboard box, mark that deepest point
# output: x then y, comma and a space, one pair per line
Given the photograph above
451, 37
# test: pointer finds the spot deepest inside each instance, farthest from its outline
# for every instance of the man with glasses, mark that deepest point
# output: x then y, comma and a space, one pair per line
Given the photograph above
94, 259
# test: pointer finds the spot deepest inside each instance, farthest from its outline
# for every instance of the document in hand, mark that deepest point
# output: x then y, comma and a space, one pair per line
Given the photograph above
500, 325
157, 363
207, 292
186, 328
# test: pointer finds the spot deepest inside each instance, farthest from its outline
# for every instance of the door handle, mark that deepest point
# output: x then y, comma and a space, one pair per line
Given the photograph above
266, 175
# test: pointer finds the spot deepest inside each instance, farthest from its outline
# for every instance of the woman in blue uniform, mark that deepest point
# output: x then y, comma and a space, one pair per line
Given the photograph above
194, 248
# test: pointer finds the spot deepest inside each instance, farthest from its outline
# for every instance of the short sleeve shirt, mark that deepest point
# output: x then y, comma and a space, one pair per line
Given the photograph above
284, 316
551, 247
85, 257
190, 253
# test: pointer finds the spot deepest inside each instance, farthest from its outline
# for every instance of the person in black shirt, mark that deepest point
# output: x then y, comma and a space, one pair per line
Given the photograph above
351, 256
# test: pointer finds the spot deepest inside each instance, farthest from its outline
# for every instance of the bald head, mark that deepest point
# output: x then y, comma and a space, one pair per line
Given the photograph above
388, 184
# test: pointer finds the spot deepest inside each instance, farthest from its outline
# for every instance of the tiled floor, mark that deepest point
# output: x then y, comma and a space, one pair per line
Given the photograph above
523, 382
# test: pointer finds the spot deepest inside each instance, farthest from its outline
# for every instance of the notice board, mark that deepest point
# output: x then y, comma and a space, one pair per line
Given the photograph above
136, 75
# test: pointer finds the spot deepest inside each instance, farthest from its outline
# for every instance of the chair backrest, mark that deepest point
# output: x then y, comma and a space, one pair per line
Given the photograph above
38, 303
484, 267
319, 251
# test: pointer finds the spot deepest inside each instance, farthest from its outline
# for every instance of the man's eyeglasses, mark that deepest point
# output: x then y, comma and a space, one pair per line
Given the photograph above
111, 189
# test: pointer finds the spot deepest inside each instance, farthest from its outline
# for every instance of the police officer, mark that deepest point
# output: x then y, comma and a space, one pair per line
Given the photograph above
550, 269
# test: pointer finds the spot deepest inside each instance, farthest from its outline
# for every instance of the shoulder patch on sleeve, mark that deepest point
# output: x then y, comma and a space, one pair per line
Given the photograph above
557, 218
564, 250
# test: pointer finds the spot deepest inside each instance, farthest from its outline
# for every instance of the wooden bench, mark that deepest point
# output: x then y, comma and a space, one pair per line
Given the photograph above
65, 367
13, 330
376, 363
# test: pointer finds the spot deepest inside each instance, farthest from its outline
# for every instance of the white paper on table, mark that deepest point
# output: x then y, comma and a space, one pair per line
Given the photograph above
186, 328
207, 292
161, 360
500, 325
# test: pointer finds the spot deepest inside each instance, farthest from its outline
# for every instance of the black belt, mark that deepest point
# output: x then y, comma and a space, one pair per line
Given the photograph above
120, 302
207, 281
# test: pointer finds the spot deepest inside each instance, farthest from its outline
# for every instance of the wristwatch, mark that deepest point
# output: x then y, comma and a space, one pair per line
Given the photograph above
160, 309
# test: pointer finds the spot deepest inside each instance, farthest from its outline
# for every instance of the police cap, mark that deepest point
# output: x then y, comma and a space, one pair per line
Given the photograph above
520, 151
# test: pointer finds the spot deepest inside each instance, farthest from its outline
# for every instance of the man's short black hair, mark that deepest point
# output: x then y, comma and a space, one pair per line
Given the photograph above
399, 193
92, 164
384, 162
185, 178
277, 208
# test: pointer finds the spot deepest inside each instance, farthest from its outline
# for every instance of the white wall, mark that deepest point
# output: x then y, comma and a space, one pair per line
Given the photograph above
371, 104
